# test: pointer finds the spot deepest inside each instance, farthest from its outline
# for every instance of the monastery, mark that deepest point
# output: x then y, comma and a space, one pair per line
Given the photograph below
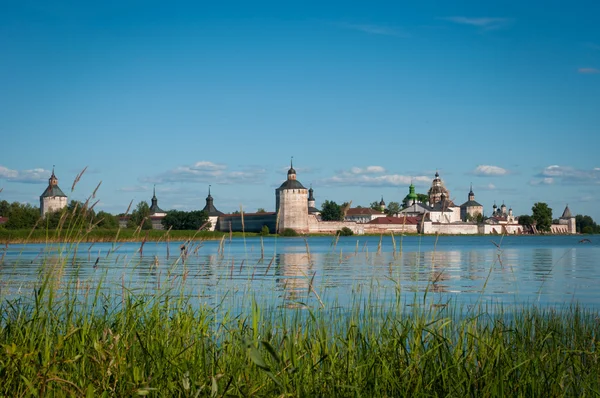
295, 208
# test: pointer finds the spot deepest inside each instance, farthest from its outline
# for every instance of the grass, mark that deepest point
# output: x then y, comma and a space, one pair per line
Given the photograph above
63, 343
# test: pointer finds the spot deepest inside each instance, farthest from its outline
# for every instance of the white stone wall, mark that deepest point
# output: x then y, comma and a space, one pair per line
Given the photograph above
293, 210
317, 226
53, 203
213, 222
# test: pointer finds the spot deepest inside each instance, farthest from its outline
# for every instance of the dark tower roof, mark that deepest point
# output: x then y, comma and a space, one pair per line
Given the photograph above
381, 203
210, 208
291, 170
310, 195
567, 213
53, 189
154, 207
291, 182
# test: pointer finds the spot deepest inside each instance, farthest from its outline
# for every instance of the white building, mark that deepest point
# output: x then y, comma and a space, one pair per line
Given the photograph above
53, 198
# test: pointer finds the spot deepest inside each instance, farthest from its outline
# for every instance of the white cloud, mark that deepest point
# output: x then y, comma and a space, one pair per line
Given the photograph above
208, 172
588, 71
488, 170
570, 175
483, 23
542, 181
368, 170
32, 176
372, 176
134, 188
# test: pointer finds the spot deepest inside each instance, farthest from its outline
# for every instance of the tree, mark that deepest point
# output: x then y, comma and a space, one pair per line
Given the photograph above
542, 215
345, 231
421, 197
185, 220
586, 223
265, 230
141, 213
4, 208
22, 216
261, 210
331, 211
525, 220
393, 208
107, 220
374, 205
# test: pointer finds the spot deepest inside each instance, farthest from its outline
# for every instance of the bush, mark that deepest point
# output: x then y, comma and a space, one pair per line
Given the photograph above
264, 231
587, 230
345, 232
289, 232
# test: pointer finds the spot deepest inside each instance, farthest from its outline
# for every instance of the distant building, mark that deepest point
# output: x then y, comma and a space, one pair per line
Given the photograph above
470, 209
53, 198
437, 190
291, 204
363, 215
211, 210
156, 213
566, 223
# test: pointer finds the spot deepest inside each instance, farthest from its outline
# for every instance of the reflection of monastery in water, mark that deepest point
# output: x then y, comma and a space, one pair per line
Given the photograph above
294, 273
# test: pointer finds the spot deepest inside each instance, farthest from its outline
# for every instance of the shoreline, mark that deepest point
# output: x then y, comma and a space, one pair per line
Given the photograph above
127, 235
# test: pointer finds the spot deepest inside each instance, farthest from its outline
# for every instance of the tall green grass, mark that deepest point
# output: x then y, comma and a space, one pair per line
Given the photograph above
72, 343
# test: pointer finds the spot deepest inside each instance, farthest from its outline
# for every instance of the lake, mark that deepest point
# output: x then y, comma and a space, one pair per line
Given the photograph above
321, 271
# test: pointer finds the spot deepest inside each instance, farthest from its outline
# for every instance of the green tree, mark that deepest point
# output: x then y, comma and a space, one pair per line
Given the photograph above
106, 220
345, 232
421, 197
186, 220
261, 210
4, 208
374, 205
141, 213
542, 215
393, 208
265, 230
525, 220
582, 222
331, 211
22, 216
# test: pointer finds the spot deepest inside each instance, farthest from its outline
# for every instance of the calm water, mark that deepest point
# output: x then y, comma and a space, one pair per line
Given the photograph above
553, 270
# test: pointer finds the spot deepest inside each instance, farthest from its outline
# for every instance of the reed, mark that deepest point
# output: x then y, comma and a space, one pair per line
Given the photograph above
69, 343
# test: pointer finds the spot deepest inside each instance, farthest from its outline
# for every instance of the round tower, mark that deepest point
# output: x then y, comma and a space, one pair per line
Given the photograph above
291, 204
53, 198
436, 190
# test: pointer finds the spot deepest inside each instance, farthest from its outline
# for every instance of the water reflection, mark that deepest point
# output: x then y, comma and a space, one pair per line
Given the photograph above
286, 271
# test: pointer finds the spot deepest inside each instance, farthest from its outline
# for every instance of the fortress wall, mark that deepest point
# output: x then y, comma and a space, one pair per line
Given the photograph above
383, 228
316, 226
252, 222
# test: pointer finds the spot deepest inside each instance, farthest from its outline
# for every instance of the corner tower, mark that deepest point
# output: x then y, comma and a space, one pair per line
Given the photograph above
53, 198
291, 204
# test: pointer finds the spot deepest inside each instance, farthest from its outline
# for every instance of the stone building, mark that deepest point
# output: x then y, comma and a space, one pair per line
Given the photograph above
363, 215
291, 204
566, 223
53, 198
311, 203
471, 208
211, 210
437, 190
156, 213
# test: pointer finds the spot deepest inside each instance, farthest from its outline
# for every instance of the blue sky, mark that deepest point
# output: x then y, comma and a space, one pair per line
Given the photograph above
365, 96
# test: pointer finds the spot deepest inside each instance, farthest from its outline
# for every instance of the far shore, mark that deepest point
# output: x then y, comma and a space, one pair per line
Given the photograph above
130, 235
